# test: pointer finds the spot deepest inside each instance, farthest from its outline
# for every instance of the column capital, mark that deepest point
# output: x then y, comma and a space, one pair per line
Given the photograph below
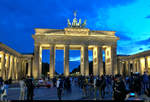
2, 52
7, 54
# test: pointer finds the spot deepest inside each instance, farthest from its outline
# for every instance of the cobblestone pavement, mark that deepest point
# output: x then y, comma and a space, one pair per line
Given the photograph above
44, 93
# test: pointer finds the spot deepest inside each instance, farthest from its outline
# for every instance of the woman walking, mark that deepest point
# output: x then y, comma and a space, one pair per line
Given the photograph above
22, 89
4, 91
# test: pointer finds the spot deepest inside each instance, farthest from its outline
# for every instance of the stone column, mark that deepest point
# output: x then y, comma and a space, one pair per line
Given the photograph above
29, 68
97, 61
84, 69
127, 67
134, 67
118, 66
24, 67
2, 64
20, 68
114, 60
108, 68
139, 66
146, 64
121, 68
7, 65
52, 61
11, 66
66, 60
17, 68
100, 61
36, 66
110, 60
14, 69
81, 63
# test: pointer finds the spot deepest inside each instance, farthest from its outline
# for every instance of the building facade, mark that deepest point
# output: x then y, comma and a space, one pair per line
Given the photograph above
13, 64
139, 62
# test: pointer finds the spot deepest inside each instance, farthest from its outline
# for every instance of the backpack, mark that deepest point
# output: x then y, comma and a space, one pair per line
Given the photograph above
98, 82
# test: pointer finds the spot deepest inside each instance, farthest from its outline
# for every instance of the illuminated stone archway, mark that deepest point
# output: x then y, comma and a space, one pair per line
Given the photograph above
76, 36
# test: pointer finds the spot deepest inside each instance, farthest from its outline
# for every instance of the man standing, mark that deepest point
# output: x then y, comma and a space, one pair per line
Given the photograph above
30, 88
59, 85
97, 85
145, 81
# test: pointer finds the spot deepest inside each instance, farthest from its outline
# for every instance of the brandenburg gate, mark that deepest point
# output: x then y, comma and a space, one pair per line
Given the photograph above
76, 37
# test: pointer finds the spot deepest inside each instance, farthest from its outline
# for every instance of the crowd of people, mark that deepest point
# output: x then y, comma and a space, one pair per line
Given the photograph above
118, 86
26, 88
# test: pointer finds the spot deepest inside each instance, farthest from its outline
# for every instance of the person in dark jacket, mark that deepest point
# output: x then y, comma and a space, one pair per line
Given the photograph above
30, 88
103, 86
119, 92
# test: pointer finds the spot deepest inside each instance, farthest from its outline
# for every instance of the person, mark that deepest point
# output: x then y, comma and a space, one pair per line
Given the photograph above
137, 84
146, 95
108, 84
119, 92
69, 85
10, 80
30, 88
59, 86
83, 86
97, 85
4, 89
103, 86
22, 89
145, 81
1, 81
54, 81
86, 87
91, 85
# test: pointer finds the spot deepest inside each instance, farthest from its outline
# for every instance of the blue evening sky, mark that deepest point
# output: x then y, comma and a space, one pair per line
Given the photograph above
129, 18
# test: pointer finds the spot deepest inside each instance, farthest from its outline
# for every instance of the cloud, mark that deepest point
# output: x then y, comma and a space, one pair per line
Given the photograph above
75, 58
140, 48
148, 17
144, 42
123, 35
